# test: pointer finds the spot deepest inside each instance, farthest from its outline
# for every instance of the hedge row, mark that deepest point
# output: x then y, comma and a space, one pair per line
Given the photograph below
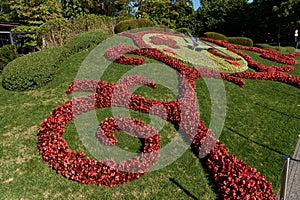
234, 40
241, 41
39, 68
281, 49
57, 32
215, 36
126, 25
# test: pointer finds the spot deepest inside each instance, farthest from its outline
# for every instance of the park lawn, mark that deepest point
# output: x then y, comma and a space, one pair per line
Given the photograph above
261, 125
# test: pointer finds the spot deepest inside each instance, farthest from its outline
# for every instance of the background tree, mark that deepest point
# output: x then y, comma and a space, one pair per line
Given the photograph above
169, 13
4, 11
74, 8
289, 18
31, 14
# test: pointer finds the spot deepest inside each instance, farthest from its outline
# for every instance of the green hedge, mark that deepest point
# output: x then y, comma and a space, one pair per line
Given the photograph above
132, 24
39, 68
183, 30
32, 70
85, 40
240, 40
215, 35
7, 54
57, 32
281, 49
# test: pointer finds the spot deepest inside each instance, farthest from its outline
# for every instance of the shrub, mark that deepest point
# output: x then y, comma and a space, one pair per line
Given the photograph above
215, 36
85, 40
184, 30
132, 24
57, 32
286, 50
54, 33
32, 70
37, 69
7, 54
240, 40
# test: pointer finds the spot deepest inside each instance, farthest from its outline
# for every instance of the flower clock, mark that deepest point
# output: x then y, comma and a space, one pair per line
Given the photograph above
233, 177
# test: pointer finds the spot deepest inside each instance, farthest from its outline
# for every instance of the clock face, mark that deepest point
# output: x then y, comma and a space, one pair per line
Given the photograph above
199, 54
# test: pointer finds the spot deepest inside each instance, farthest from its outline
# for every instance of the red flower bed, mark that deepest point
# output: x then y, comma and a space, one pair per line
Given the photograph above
214, 52
138, 37
170, 51
164, 40
235, 179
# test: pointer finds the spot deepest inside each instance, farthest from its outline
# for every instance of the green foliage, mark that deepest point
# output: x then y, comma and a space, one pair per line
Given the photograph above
215, 36
93, 22
4, 11
32, 14
158, 11
72, 9
240, 40
281, 49
7, 54
85, 40
120, 18
183, 30
28, 41
32, 71
56, 32
39, 68
132, 24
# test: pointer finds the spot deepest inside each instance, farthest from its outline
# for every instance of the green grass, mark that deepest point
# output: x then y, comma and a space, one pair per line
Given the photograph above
262, 121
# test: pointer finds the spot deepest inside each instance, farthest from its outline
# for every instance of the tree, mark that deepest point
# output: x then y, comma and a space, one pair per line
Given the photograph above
164, 12
31, 14
4, 11
288, 15
74, 8
34, 12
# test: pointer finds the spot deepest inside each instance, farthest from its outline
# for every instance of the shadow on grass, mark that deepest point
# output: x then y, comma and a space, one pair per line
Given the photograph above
272, 109
257, 143
183, 189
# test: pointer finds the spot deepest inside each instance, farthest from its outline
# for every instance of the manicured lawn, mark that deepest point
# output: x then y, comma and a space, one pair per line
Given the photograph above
262, 124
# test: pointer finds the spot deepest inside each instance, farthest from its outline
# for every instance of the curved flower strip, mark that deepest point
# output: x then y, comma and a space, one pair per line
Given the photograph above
214, 52
161, 39
274, 73
138, 37
117, 54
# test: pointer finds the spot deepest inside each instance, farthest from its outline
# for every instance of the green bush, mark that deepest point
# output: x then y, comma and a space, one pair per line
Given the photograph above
85, 40
215, 36
39, 68
32, 70
132, 24
240, 40
7, 54
184, 30
281, 49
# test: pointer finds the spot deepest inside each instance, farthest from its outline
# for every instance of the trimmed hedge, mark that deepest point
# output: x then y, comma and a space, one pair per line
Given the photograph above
39, 68
32, 70
85, 40
240, 40
183, 30
132, 24
7, 54
281, 49
215, 35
